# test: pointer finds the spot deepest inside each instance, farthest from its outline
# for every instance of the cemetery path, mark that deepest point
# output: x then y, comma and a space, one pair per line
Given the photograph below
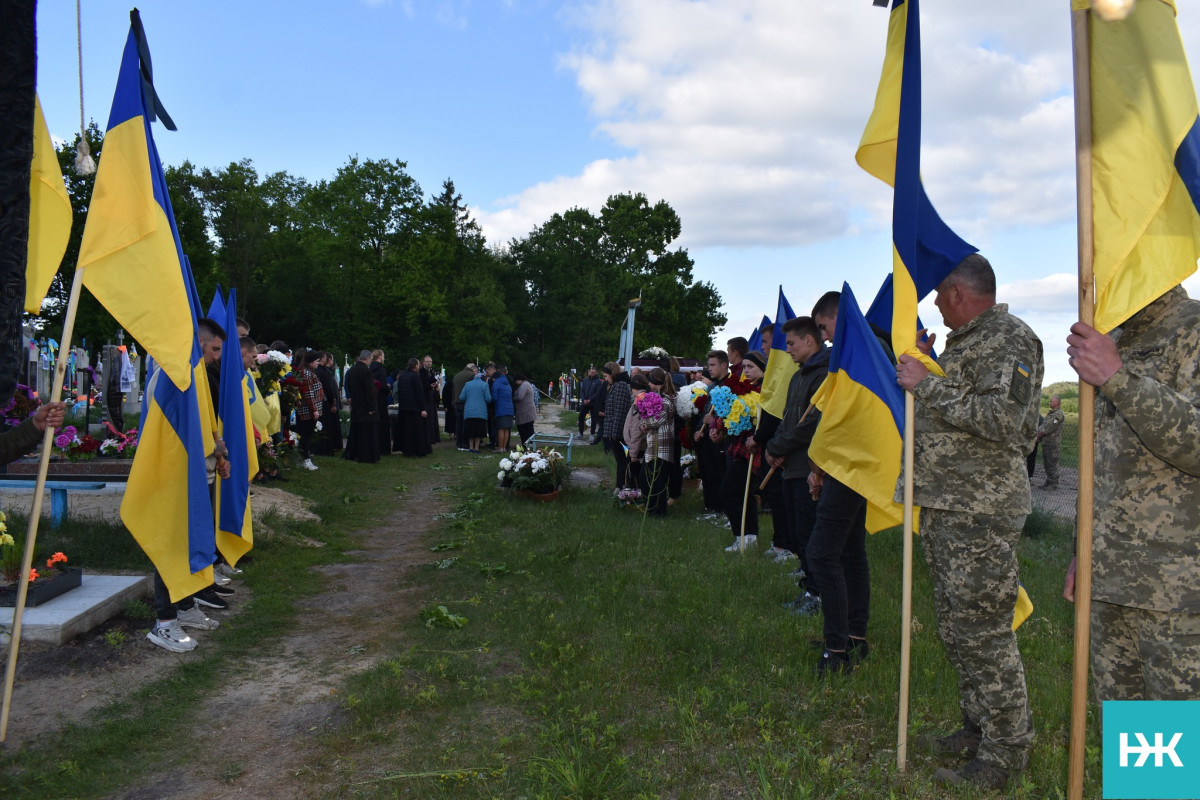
259, 733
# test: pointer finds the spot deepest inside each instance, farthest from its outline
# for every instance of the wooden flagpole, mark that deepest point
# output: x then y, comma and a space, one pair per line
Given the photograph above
906, 587
35, 515
1083, 547
746, 495
771, 471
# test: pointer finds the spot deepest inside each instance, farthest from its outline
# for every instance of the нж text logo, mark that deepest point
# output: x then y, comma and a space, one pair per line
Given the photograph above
1144, 750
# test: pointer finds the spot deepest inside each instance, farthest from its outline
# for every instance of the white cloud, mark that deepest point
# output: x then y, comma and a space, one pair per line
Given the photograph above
744, 115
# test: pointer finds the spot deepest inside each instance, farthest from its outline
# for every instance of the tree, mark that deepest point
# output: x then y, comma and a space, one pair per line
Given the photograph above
580, 272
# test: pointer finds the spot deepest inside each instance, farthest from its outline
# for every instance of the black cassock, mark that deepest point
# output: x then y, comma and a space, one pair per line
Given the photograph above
362, 442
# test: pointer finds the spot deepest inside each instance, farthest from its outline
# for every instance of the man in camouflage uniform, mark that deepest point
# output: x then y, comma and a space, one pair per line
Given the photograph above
973, 429
1050, 436
1145, 567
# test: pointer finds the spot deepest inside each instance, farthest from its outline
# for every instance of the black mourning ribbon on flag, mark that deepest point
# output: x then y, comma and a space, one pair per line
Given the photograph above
154, 106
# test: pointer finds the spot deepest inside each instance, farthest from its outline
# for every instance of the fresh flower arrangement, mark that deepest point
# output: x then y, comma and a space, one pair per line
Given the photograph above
625, 498
736, 411
654, 352
11, 555
538, 471
291, 387
691, 400
21, 406
124, 445
687, 462
272, 367
649, 404
76, 447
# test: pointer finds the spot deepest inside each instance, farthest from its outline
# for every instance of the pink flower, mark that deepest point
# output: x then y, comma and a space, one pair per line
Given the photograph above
649, 404
262, 358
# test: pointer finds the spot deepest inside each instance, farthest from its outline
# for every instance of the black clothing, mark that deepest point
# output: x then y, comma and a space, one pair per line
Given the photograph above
362, 443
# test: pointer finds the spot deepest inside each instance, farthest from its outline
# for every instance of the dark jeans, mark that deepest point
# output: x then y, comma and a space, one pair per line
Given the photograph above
305, 429
622, 460
654, 480
675, 472
525, 431
733, 496
781, 523
837, 552
164, 609
802, 510
711, 462
460, 426
584, 412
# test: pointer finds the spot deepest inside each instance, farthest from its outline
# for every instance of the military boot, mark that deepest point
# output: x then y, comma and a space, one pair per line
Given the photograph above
982, 774
963, 741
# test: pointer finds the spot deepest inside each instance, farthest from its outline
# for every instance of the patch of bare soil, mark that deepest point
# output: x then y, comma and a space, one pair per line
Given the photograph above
259, 731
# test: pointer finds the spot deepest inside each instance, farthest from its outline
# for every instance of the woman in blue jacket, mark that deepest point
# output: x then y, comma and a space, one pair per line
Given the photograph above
503, 398
475, 397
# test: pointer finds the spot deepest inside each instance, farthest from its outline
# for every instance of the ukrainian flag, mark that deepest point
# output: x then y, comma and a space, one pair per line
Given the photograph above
925, 250
858, 440
755, 340
1145, 160
780, 367
130, 252
133, 263
50, 215
234, 535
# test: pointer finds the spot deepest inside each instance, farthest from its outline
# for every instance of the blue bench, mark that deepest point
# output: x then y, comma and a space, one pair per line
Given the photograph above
543, 439
58, 494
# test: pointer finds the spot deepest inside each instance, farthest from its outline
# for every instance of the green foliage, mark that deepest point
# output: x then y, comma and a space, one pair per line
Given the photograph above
322, 264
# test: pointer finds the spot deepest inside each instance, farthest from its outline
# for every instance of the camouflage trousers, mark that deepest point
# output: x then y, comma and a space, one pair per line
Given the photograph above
973, 561
1050, 453
1139, 654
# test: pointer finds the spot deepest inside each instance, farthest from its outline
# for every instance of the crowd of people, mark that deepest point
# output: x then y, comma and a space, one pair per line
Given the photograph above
976, 428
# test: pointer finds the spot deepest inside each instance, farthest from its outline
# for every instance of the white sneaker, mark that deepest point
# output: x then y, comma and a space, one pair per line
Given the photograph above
169, 636
750, 540
195, 618
307, 464
227, 570
220, 579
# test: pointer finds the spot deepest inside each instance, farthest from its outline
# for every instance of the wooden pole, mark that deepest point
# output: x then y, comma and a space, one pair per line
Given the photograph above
771, 471
1083, 547
746, 497
906, 587
35, 515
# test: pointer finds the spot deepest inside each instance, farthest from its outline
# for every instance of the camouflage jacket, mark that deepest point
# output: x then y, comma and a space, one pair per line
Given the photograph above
974, 428
1051, 427
1146, 529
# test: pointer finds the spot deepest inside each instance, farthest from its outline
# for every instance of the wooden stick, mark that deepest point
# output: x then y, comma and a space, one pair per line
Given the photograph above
906, 587
771, 471
746, 497
35, 515
1087, 313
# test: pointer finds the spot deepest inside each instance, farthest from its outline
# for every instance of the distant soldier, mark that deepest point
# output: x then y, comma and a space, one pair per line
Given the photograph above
973, 429
1050, 437
1145, 570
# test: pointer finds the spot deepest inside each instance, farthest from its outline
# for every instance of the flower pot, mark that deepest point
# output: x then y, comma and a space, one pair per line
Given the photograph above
545, 497
43, 590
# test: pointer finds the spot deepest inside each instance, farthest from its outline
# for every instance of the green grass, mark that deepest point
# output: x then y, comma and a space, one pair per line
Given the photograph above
622, 657
595, 654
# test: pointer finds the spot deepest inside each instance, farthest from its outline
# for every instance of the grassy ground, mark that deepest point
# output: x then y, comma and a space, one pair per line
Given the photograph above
573, 649
597, 654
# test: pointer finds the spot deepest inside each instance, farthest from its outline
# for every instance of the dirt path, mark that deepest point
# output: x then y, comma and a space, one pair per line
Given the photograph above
256, 735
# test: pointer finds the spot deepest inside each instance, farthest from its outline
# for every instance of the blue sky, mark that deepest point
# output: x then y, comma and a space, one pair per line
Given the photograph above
742, 114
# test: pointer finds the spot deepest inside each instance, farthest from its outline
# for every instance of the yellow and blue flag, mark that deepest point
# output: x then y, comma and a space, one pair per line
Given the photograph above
858, 440
133, 263
130, 253
234, 532
1145, 160
924, 248
780, 367
50, 215
755, 339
